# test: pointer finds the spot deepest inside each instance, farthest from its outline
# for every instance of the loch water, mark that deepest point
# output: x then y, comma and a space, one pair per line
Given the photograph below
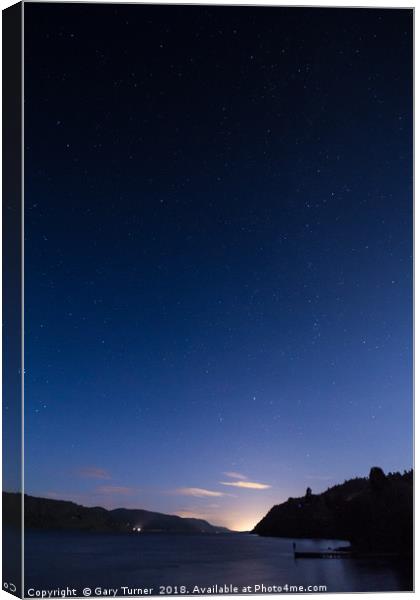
178, 563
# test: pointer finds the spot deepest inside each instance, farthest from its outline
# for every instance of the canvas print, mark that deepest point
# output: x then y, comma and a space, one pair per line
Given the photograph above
216, 302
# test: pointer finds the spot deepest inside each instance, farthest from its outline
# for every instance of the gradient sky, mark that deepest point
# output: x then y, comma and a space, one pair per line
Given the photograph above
218, 253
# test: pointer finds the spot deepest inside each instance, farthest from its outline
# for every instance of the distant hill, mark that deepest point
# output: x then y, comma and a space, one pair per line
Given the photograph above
374, 514
44, 513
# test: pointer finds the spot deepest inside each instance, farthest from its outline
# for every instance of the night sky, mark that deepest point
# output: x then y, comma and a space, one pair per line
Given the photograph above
218, 253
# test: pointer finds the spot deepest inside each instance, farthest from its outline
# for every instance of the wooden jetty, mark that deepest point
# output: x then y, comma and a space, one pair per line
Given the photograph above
343, 554
324, 554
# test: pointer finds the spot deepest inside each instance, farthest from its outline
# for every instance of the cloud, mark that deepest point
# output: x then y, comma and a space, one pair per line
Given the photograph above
94, 473
115, 489
198, 492
67, 496
199, 511
190, 514
250, 485
235, 475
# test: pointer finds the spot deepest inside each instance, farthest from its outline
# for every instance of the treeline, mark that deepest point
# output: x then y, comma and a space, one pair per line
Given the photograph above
374, 513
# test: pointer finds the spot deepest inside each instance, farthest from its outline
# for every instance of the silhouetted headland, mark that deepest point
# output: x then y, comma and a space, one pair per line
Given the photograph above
374, 514
45, 513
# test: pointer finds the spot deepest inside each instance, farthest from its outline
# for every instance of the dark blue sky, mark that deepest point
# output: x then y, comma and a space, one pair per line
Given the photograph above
218, 253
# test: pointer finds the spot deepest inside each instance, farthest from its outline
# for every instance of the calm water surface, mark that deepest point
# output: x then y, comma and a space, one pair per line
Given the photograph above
78, 560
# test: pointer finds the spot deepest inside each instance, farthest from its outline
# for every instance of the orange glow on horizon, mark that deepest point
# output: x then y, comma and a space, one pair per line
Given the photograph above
239, 524
244, 522
244, 525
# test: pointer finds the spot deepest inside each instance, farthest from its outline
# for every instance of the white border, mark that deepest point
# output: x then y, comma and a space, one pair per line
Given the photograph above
22, 233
